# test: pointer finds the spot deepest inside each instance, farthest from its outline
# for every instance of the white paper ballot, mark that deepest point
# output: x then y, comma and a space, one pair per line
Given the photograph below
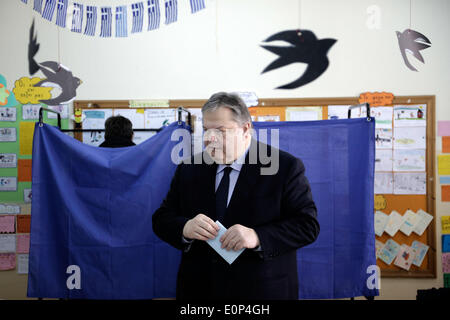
215, 243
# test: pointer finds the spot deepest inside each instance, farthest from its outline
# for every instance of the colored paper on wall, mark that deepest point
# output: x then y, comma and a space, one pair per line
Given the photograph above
446, 243
26, 131
446, 262
446, 280
446, 144
23, 243
444, 180
443, 128
24, 170
7, 243
445, 193
7, 261
7, 224
23, 223
444, 164
445, 224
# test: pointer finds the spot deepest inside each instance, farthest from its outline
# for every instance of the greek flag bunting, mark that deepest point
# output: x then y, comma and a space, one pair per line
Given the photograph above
61, 12
153, 14
37, 6
171, 7
49, 9
138, 17
121, 21
106, 24
197, 5
91, 20
77, 19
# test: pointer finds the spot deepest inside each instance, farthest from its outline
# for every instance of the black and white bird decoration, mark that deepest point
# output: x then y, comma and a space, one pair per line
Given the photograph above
304, 47
411, 41
57, 75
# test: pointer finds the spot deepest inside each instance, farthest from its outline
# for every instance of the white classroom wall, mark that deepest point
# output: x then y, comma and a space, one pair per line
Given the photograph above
218, 49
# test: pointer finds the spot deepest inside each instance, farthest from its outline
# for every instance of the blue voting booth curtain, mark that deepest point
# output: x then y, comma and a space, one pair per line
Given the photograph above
339, 157
91, 208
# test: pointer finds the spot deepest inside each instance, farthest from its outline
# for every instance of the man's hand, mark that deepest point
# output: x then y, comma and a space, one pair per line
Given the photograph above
200, 227
238, 237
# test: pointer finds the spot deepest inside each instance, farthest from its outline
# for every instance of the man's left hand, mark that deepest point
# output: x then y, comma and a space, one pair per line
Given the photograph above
238, 237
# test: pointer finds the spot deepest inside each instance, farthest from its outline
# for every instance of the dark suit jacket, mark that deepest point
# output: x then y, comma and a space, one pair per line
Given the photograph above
278, 207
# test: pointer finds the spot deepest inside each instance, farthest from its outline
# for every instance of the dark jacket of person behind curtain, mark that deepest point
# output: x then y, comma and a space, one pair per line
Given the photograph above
118, 133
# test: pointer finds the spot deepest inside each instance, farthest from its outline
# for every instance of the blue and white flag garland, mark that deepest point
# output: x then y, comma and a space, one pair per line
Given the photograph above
106, 24
138, 17
71, 15
153, 14
91, 20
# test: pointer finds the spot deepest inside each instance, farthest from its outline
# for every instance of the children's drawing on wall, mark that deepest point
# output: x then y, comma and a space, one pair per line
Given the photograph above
305, 48
8, 114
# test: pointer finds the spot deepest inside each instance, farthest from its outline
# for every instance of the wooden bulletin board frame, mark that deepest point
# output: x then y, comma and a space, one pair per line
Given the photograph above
428, 267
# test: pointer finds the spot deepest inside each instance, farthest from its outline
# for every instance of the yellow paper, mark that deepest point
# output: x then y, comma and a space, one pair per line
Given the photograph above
26, 131
444, 164
445, 224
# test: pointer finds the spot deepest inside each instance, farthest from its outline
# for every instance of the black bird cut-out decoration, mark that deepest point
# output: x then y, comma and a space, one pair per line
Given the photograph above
412, 41
305, 48
57, 75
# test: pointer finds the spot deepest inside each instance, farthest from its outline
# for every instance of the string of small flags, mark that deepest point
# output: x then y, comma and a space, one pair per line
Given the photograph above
71, 14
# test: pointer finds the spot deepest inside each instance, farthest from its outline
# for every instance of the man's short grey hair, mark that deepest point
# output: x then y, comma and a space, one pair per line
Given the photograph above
231, 101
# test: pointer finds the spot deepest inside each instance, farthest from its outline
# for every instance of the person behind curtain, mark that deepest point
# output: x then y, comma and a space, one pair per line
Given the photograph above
118, 133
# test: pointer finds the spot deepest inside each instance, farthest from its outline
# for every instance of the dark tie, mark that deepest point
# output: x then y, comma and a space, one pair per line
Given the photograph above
222, 194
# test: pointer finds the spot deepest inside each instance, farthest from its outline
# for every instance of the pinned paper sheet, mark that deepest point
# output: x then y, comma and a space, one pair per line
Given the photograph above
411, 220
421, 251
389, 251
24, 170
394, 223
445, 224
22, 263
405, 257
7, 243
23, 223
424, 220
26, 132
381, 219
378, 246
9, 209
215, 243
7, 261
23, 243
7, 224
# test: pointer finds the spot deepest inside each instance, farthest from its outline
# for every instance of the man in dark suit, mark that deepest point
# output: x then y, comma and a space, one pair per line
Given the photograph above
269, 215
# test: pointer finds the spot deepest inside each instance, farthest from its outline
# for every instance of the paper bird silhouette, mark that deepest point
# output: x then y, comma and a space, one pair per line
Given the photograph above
304, 48
57, 75
412, 41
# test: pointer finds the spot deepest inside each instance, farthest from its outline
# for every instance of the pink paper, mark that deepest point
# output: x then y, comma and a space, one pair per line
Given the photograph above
443, 128
7, 223
7, 261
23, 243
446, 262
